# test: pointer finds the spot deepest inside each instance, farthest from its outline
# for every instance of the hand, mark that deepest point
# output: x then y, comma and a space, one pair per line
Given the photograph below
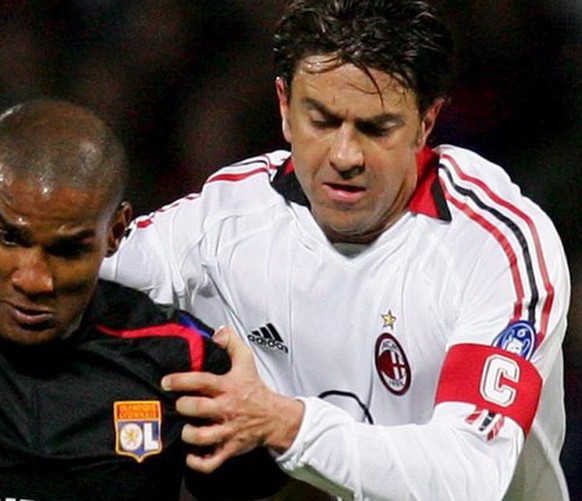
238, 410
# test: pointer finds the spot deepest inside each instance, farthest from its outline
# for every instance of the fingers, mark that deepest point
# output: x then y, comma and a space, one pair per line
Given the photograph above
222, 410
221, 335
204, 436
209, 458
199, 407
202, 382
228, 339
210, 446
206, 463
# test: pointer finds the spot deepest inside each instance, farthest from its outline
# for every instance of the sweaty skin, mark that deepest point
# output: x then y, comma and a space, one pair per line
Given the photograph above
52, 242
354, 150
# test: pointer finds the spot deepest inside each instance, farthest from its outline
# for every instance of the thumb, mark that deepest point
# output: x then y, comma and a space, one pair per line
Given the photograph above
229, 340
241, 356
238, 352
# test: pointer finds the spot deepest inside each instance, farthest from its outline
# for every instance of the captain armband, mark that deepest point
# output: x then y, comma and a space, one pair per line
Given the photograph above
492, 379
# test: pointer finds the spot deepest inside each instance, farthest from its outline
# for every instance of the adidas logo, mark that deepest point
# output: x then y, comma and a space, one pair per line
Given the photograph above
269, 337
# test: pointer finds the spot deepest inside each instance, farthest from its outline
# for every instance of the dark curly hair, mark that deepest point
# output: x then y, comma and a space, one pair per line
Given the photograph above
405, 38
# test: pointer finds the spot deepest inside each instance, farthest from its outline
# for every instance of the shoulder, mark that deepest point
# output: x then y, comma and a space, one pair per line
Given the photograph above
500, 240
256, 167
232, 190
482, 194
244, 184
119, 307
123, 313
468, 173
492, 221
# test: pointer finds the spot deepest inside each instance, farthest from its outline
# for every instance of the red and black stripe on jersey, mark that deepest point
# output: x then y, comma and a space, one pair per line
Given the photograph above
489, 377
505, 221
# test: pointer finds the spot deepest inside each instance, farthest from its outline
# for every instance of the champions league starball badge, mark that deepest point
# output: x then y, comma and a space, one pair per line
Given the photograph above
519, 338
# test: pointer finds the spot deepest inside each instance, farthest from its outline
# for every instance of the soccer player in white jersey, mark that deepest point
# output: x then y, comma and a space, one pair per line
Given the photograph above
404, 306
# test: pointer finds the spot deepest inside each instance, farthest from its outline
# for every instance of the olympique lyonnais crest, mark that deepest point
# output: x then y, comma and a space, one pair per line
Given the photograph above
392, 365
137, 428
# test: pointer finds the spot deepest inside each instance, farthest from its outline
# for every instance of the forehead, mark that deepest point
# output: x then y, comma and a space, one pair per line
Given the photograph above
46, 209
322, 78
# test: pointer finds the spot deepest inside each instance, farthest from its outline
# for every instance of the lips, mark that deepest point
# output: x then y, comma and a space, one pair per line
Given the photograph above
31, 317
343, 193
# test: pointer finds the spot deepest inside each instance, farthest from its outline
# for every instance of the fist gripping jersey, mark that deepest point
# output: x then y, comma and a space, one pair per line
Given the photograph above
85, 418
429, 361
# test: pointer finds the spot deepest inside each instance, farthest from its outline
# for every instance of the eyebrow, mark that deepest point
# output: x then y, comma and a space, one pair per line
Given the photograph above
24, 234
377, 120
75, 238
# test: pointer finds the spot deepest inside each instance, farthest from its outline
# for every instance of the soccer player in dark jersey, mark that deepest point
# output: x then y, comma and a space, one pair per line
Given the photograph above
83, 416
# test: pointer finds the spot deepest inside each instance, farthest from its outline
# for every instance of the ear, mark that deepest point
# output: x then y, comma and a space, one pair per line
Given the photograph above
428, 122
283, 96
118, 226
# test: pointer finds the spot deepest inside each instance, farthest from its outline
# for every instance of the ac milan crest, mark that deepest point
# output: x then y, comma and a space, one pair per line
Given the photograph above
392, 364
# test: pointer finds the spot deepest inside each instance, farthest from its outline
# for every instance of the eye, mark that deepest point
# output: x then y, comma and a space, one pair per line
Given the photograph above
69, 250
322, 123
374, 130
8, 238
323, 120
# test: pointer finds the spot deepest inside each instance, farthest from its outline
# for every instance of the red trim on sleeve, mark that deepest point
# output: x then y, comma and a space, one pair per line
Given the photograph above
229, 176
194, 340
505, 245
492, 379
535, 235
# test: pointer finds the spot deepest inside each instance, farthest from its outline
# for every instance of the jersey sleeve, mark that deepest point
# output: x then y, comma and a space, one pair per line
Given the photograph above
502, 354
155, 248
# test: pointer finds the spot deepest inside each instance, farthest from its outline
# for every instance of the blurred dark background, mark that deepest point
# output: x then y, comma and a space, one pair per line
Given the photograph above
188, 85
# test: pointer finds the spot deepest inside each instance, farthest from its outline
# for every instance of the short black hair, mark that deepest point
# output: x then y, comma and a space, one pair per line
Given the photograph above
407, 39
57, 142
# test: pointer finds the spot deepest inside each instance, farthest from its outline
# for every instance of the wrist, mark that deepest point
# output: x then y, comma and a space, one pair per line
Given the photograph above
287, 415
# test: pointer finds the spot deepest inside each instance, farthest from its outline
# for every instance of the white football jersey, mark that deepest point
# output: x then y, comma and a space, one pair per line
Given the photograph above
423, 359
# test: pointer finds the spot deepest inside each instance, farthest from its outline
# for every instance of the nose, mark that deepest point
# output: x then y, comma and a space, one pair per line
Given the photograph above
33, 275
346, 154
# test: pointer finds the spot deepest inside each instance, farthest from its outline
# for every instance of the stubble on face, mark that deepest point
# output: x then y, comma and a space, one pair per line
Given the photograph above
354, 148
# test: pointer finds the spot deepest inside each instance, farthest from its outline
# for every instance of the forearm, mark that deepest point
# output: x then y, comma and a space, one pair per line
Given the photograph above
412, 462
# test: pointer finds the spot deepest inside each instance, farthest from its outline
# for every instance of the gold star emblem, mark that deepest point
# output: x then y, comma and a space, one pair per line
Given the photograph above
388, 319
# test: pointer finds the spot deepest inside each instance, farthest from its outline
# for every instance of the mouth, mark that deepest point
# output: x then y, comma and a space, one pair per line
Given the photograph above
32, 317
343, 193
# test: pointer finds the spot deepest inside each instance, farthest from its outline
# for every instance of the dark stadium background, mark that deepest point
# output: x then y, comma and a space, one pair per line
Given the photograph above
188, 86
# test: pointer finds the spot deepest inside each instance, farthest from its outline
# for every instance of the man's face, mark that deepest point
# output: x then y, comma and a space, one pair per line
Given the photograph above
52, 243
354, 150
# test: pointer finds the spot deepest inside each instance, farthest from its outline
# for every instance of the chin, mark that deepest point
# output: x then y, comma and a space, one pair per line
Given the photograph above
31, 338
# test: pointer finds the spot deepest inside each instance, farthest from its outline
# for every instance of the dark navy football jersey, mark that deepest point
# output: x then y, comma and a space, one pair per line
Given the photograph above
85, 418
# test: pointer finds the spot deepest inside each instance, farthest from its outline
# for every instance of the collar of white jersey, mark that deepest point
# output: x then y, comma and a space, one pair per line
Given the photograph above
427, 199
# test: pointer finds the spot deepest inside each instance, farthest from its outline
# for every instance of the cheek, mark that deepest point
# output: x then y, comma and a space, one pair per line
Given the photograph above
388, 177
77, 275
74, 289
5, 263
307, 159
